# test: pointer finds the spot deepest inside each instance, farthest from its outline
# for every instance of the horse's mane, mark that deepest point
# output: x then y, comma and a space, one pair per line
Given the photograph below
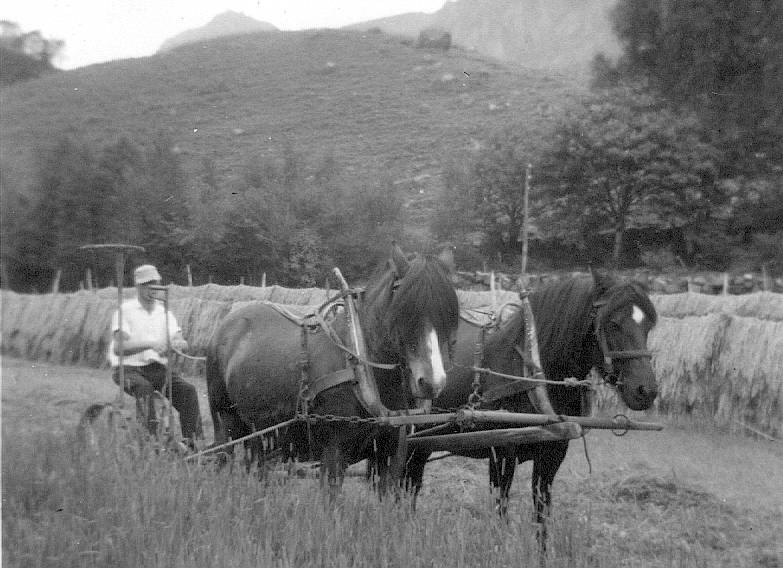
629, 293
398, 308
563, 317
562, 313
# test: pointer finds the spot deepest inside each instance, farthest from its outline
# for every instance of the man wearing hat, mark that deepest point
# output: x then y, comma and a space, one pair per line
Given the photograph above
144, 348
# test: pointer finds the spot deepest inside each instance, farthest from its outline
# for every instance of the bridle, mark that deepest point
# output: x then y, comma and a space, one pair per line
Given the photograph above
611, 377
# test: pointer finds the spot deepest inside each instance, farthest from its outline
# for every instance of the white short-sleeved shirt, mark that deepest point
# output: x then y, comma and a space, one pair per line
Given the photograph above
140, 324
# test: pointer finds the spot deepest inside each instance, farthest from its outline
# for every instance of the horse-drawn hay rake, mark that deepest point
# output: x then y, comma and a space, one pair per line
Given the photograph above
153, 419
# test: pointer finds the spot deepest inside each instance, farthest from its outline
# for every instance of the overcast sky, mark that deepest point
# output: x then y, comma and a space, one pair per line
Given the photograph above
101, 30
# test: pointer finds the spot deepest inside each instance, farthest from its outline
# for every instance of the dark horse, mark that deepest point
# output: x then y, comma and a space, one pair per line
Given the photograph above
407, 314
582, 323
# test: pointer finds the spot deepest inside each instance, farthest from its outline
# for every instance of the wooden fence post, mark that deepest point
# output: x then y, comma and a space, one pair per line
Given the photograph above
190, 276
4, 280
56, 281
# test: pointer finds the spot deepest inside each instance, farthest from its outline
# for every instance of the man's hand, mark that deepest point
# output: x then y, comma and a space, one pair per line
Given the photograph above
160, 347
179, 344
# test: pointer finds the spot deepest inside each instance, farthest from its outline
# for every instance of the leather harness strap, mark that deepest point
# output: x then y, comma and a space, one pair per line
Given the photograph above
325, 382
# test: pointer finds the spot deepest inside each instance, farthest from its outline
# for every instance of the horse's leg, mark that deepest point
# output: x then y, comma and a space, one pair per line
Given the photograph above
228, 426
414, 473
390, 460
546, 462
332, 469
502, 465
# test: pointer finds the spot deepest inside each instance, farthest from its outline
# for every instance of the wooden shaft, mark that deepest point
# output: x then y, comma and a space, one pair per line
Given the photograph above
522, 419
503, 437
596, 422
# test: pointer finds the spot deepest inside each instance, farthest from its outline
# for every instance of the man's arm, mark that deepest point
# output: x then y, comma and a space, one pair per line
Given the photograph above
133, 346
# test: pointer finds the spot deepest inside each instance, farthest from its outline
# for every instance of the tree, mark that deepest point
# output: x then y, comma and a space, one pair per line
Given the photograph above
721, 57
485, 195
25, 55
624, 158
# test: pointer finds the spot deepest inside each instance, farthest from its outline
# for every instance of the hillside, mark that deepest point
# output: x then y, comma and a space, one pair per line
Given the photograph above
225, 24
541, 34
382, 108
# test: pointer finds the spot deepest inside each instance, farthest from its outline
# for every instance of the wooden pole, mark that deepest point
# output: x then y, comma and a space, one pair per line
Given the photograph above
500, 437
725, 284
56, 281
493, 289
119, 269
190, 276
519, 419
263, 280
88, 278
526, 217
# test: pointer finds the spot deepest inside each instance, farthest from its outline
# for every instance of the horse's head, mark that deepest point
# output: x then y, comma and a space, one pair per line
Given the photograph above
422, 318
623, 317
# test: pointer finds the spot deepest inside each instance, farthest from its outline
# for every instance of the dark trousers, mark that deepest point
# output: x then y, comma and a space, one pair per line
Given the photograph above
141, 382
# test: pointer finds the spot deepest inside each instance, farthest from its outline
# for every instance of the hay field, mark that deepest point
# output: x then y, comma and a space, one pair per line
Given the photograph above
716, 356
688, 496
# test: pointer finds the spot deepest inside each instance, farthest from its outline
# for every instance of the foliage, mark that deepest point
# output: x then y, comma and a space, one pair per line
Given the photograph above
25, 55
277, 220
723, 58
124, 194
626, 159
486, 194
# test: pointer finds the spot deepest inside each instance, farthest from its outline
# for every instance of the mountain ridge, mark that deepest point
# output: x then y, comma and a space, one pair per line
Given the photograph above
225, 24
541, 34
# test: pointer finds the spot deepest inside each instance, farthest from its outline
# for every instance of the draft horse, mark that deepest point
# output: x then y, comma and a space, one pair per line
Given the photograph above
408, 313
582, 323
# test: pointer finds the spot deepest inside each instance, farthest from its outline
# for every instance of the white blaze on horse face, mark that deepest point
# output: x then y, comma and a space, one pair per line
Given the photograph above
428, 374
637, 314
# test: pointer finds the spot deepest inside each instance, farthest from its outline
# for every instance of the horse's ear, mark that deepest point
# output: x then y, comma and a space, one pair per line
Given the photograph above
446, 256
399, 262
602, 281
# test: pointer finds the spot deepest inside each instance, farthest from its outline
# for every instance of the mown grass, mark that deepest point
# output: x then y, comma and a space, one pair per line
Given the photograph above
652, 500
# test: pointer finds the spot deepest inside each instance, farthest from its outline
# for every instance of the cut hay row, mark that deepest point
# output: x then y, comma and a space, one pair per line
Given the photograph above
471, 299
216, 292
762, 305
726, 366
74, 328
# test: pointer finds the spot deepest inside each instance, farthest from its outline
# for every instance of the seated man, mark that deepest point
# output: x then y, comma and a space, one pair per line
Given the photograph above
144, 349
